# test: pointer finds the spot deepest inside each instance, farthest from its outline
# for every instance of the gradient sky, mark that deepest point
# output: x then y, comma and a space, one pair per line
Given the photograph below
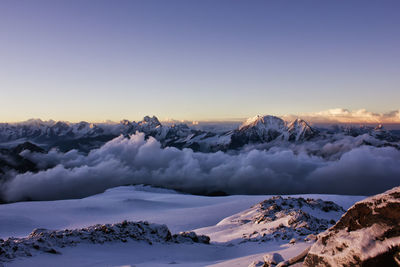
206, 59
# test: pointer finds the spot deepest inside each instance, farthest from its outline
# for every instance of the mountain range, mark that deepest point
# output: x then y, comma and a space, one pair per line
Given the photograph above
86, 136
259, 132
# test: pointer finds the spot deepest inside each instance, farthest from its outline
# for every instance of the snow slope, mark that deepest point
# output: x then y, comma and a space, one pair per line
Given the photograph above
276, 219
179, 212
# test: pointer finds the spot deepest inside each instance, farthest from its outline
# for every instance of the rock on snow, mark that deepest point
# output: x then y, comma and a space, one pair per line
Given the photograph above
43, 240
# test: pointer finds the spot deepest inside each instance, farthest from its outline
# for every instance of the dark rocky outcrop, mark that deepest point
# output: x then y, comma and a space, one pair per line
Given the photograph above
50, 241
367, 235
12, 159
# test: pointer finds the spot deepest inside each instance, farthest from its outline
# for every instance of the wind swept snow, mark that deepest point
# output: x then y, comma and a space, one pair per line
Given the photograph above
180, 212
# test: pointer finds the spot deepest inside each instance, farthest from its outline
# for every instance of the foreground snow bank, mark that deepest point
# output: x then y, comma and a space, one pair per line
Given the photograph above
43, 240
180, 212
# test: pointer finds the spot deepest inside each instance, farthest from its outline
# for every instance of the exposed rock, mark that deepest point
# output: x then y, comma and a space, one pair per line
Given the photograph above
50, 241
258, 129
272, 259
367, 235
294, 260
300, 130
310, 237
191, 237
277, 219
296, 216
13, 160
28, 146
277, 260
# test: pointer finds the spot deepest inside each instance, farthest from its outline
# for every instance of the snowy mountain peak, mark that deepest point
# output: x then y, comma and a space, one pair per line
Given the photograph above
33, 122
262, 129
61, 124
298, 121
258, 129
300, 130
252, 121
267, 121
125, 122
60, 128
150, 121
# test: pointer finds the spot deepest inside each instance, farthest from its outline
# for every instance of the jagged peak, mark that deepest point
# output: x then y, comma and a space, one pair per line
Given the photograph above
30, 121
35, 122
84, 123
61, 124
28, 146
299, 122
180, 126
151, 121
125, 122
299, 129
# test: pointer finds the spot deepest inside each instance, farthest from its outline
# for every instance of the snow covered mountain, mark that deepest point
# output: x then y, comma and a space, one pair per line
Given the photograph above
264, 129
259, 129
86, 136
41, 131
300, 130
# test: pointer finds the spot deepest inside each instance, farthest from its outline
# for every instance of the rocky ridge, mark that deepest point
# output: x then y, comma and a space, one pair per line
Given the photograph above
50, 241
277, 219
295, 217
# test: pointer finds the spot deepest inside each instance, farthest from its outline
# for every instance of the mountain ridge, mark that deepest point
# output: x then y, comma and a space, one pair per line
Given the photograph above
260, 129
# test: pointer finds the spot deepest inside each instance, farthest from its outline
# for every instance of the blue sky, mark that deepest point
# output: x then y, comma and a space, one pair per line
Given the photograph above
196, 60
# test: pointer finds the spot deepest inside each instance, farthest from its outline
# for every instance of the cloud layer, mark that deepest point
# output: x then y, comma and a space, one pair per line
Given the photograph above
340, 115
347, 168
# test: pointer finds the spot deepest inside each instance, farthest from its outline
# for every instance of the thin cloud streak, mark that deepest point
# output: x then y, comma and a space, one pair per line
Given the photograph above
341, 115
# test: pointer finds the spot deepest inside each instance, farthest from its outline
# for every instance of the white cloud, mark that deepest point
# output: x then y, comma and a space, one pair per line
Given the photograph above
345, 167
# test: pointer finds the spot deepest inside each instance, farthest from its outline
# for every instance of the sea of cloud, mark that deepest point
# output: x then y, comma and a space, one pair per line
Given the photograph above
344, 166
